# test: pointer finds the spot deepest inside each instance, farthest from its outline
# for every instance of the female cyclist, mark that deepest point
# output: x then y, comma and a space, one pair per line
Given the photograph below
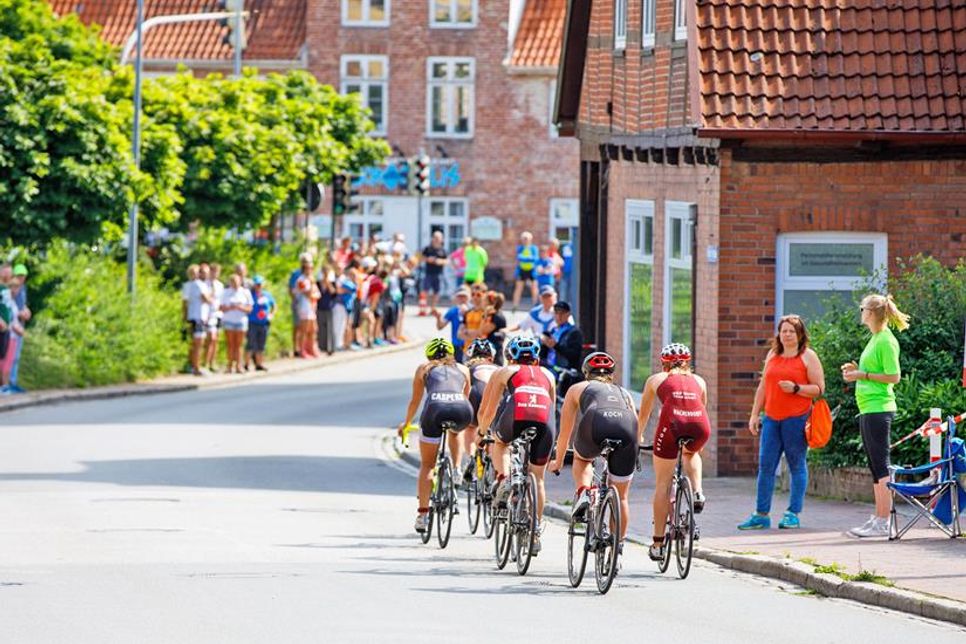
480, 356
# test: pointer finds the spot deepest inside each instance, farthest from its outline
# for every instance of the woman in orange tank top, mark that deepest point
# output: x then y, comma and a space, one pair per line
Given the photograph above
792, 378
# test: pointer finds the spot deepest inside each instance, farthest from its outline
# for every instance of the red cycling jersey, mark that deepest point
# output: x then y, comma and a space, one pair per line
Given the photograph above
682, 416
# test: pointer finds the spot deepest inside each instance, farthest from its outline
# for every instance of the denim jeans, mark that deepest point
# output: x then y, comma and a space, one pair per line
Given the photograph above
779, 436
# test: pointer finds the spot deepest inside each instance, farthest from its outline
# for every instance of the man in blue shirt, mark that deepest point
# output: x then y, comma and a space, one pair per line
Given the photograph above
453, 317
527, 256
259, 320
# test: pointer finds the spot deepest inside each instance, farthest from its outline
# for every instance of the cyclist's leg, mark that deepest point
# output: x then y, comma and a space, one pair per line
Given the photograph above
455, 441
663, 473
623, 489
427, 459
621, 464
539, 457
693, 469
583, 471
586, 449
517, 290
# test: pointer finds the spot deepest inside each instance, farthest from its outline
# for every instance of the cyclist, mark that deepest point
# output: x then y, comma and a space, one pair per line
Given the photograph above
593, 411
684, 398
520, 395
480, 358
446, 384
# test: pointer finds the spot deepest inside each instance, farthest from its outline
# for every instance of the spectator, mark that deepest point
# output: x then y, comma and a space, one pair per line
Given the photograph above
472, 322
241, 270
457, 261
396, 294
343, 254
545, 267
196, 307
875, 377
236, 304
307, 296
527, 256
791, 379
476, 261
494, 324
11, 329
18, 289
349, 291
325, 309
564, 341
566, 271
340, 308
214, 320
259, 321
453, 317
434, 259
398, 246
376, 286
304, 271
540, 319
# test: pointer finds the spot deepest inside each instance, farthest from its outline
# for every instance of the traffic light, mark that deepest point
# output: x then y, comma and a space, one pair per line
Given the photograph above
235, 37
419, 175
342, 194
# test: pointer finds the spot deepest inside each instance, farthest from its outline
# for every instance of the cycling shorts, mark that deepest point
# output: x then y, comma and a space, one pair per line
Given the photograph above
525, 275
507, 430
476, 398
666, 437
595, 427
436, 413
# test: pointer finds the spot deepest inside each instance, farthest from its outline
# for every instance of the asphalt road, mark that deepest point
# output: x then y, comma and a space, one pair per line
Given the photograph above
273, 512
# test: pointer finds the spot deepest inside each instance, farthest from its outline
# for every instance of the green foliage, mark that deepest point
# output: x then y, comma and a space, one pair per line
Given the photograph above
930, 359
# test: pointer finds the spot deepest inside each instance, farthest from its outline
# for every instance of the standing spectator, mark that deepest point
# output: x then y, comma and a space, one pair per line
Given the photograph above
494, 324
236, 303
476, 262
340, 309
558, 262
527, 255
349, 292
18, 289
374, 292
453, 317
457, 261
259, 321
306, 298
325, 309
564, 341
395, 292
434, 259
544, 267
398, 246
791, 379
197, 301
540, 320
343, 254
241, 270
473, 315
303, 271
875, 377
566, 272
214, 321
11, 330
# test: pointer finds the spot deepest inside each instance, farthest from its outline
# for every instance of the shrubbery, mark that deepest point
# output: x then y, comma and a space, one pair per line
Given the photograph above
931, 358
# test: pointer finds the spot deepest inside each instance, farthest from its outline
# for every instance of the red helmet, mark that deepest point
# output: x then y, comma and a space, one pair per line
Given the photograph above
598, 362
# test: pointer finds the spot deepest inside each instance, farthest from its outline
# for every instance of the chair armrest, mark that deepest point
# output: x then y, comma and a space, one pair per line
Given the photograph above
894, 470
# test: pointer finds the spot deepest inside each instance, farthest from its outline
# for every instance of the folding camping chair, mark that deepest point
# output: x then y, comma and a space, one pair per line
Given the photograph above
938, 498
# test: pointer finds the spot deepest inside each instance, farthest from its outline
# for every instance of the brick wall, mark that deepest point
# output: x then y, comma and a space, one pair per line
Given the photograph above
921, 205
512, 167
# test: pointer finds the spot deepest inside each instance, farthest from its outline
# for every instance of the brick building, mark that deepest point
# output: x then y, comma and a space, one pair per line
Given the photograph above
471, 84
743, 159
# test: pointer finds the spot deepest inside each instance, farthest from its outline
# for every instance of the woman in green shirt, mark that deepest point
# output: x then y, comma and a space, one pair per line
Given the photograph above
875, 377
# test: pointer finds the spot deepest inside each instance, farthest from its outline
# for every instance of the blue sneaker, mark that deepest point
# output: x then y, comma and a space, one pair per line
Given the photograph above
789, 521
756, 522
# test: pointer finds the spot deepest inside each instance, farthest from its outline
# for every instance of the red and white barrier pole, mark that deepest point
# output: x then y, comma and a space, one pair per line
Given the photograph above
934, 430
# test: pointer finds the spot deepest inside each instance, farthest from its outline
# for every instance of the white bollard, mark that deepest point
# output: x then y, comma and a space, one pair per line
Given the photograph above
934, 431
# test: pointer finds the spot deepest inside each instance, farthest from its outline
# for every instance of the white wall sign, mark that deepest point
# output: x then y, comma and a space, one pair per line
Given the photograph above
486, 228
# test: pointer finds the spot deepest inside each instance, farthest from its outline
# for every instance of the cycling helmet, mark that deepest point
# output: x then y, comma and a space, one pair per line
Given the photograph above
439, 348
675, 352
522, 348
598, 362
481, 348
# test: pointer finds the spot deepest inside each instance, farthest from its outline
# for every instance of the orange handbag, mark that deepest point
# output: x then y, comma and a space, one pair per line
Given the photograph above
818, 428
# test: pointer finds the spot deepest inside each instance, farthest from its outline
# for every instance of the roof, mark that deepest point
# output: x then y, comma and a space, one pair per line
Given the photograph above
275, 30
832, 66
540, 35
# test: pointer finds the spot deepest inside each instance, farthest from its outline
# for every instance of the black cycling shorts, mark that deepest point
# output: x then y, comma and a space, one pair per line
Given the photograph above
435, 414
476, 399
507, 430
876, 430
594, 427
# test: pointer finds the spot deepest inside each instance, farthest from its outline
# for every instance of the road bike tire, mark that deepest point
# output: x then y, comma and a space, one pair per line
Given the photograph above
489, 477
474, 504
578, 532
665, 562
447, 504
501, 538
428, 534
607, 537
684, 535
526, 524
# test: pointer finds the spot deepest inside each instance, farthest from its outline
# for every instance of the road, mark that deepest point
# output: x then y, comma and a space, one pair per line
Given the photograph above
273, 512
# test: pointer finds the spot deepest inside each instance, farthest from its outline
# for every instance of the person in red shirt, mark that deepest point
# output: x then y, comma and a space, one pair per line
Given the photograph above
343, 254
376, 287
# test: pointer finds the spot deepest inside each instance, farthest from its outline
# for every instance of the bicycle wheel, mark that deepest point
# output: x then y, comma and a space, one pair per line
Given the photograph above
664, 563
684, 535
489, 476
608, 537
577, 535
474, 502
501, 541
525, 520
447, 504
428, 534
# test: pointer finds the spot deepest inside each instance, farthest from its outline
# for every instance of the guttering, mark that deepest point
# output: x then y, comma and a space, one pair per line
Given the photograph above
833, 136
221, 63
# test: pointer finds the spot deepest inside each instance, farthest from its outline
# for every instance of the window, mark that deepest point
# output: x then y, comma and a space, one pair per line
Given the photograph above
448, 216
680, 20
678, 268
365, 13
452, 14
638, 303
564, 219
368, 76
815, 269
647, 23
620, 24
450, 97
367, 221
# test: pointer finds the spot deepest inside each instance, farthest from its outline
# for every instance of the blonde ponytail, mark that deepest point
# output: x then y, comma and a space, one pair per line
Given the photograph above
885, 310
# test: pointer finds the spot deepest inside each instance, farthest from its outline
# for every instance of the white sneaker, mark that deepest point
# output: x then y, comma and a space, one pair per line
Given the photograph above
876, 527
864, 526
422, 522
581, 504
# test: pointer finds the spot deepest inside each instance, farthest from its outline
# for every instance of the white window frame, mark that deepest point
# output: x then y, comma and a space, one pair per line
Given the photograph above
434, 24
366, 11
681, 19
449, 86
784, 281
365, 82
687, 212
635, 211
365, 217
620, 24
648, 22
573, 205
447, 219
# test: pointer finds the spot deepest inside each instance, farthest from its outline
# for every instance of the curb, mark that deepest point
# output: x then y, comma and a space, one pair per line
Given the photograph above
58, 396
801, 574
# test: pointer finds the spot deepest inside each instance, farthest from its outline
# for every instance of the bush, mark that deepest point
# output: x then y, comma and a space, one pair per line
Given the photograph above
930, 358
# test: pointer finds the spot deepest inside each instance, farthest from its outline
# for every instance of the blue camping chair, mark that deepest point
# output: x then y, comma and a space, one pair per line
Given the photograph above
938, 499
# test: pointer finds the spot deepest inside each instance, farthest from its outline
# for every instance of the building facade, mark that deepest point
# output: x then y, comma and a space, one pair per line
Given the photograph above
742, 161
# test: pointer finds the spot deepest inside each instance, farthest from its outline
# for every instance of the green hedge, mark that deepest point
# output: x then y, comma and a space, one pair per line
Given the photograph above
931, 358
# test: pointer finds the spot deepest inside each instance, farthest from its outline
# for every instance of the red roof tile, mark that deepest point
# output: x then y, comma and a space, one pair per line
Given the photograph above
275, 29
832, 65
538, 40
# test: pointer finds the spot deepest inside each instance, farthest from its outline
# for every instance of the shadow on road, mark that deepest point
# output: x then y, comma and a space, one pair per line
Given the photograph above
292, 473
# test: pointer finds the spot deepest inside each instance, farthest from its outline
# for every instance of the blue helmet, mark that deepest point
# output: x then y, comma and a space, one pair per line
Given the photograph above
523, 348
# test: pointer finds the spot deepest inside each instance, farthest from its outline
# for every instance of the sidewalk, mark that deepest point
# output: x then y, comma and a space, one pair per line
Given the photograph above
925, 560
